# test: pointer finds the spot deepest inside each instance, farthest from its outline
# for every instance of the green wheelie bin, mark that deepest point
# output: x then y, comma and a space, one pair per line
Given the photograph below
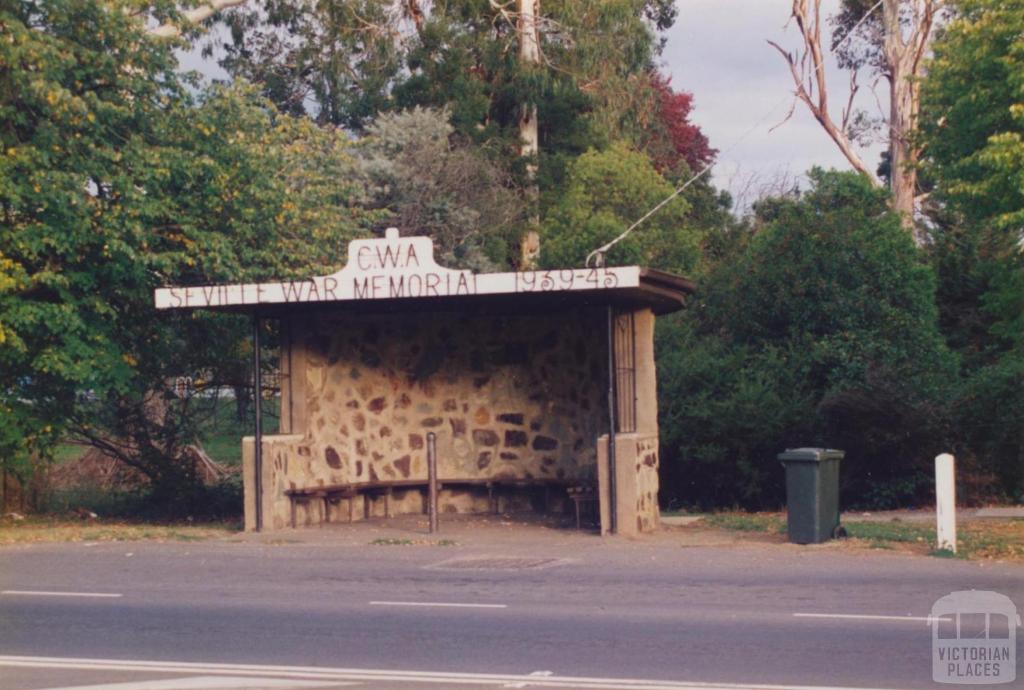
812, 493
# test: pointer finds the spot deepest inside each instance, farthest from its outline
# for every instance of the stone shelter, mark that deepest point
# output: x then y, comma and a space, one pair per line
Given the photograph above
529, 384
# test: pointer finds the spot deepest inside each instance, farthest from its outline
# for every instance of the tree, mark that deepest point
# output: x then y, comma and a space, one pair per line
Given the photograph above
115, 179
72, 137
972, 125
672, 138
583, 66
607, 191
894, 44
184, 20
823, 330
336, 61
528, 36
973, 121
433, 183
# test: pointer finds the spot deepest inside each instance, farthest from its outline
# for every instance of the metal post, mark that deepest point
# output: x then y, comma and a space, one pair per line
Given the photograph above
257, 395
945, 503
612, 423
432, 480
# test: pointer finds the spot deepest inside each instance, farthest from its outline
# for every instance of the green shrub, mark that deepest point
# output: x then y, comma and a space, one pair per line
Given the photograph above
822, 331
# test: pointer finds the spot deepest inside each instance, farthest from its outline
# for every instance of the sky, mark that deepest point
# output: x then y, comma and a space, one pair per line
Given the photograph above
717, 50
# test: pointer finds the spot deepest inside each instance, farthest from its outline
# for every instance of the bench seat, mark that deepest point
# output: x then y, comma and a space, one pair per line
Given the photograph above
333, 492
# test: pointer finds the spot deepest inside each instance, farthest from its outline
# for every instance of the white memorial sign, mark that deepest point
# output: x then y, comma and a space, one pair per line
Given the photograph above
395, 268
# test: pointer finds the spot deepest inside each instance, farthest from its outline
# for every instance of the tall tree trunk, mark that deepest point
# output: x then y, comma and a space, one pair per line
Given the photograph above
529, 140
903, 63
902, 154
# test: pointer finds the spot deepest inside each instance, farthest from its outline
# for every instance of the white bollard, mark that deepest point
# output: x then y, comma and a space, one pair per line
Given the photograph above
945, 502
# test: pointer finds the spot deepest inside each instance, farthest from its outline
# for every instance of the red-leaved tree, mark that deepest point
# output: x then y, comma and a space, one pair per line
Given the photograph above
674, 138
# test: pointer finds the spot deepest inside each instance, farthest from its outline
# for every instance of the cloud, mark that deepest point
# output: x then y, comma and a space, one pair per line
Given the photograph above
717, 50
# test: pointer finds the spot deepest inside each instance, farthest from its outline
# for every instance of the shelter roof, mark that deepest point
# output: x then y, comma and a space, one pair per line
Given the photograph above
399, 273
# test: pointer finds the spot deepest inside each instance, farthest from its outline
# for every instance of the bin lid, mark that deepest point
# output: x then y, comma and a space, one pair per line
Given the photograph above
811, 454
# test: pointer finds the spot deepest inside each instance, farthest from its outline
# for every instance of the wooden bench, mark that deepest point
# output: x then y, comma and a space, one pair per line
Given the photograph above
327, 494
334, 492
495, 484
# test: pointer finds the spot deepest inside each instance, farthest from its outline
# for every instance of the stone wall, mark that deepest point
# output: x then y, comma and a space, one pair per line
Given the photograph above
507, 397
646, 496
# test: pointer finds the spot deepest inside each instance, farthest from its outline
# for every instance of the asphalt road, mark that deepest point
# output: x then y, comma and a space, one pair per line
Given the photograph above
552, 603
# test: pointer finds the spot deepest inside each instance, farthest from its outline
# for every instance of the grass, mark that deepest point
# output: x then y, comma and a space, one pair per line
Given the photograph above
35, 530
774, 523
392, 541
977, 539
890, 532
221, 432
992, 539
68, 451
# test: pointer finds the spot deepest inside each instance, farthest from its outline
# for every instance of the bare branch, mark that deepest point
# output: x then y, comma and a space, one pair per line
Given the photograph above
193, 16
788, 117
848, 109
819, 106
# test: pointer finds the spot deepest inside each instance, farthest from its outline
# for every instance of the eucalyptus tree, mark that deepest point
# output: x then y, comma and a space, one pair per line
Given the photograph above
890, 40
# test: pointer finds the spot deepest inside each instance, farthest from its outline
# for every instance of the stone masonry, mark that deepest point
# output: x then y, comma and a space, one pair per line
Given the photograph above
507, 397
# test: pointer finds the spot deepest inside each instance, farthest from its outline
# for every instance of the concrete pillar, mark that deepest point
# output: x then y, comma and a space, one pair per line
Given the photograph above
625, 487
249, 482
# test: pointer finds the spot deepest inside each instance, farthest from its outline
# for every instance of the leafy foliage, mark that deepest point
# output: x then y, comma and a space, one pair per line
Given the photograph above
433, 184
605, 192
341, 57
673, 139
823, 331
989, 413
346, 62
114, 180
972, 125
972, 114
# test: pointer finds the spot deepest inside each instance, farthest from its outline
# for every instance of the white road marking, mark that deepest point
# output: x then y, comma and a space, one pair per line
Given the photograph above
542, 674
211, 683
342, 674
439, 603
29, 593
860, 616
